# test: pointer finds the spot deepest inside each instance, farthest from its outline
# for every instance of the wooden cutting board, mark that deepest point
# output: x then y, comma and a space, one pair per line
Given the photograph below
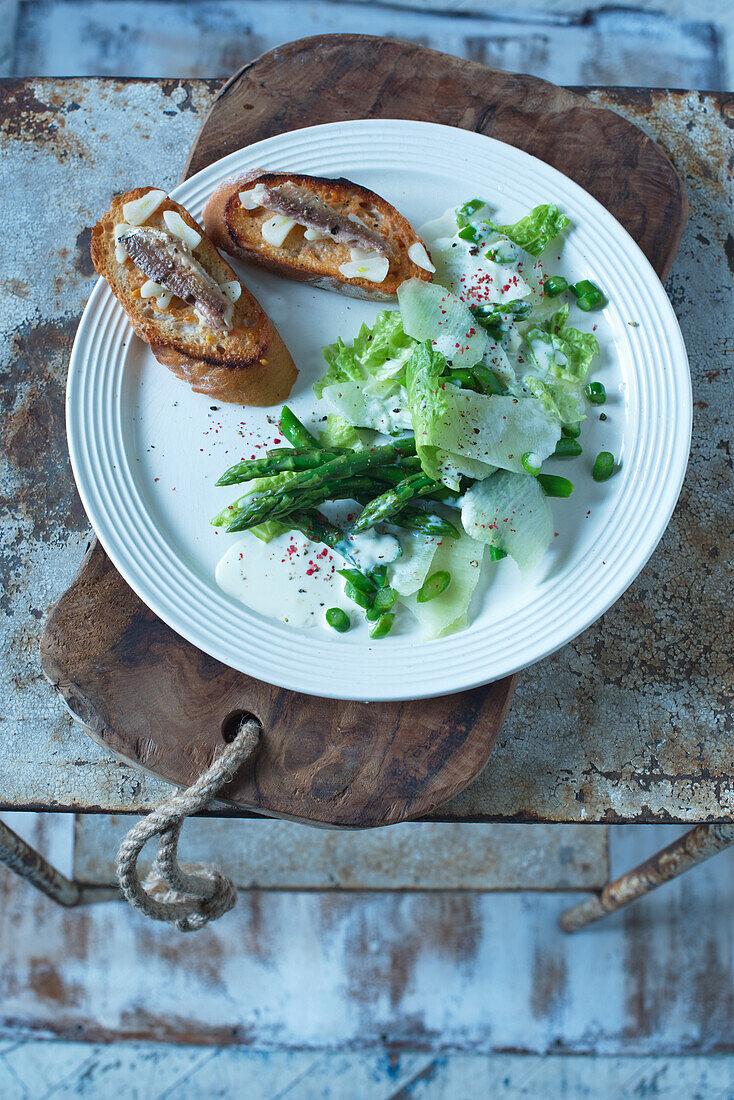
161, 704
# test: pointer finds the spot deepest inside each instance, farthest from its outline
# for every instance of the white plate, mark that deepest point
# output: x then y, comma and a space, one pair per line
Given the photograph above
146, 450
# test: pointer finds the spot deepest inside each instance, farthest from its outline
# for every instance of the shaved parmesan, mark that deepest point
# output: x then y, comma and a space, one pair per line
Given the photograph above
120, 250
233, 289
253, 198
276, 229
420, 257
178, 227
510, 511
432, 313
137, 211
365, 265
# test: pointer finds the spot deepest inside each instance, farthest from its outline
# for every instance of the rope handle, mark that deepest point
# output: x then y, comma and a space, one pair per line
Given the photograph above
187, 896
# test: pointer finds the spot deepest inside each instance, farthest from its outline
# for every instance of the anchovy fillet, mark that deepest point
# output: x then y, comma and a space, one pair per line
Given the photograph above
308, 209
166, 260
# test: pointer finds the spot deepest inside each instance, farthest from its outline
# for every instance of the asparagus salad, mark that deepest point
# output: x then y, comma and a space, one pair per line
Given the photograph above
428, 454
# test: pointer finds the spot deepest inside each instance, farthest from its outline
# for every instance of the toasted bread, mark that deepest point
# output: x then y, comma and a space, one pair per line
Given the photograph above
238, 231
247, 363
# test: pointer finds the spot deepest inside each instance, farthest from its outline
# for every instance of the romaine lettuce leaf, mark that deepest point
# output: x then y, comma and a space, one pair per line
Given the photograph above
560, 357
564, 401
368, 410
426, 402
510, 511
344, 366
378, 355
338, 432
537, 229
269, 529
579, 348
430, 312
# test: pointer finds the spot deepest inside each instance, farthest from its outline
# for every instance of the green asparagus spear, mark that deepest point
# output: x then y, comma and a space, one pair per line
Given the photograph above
393, 475
295, 432
390, 502
302, 491
276, 462
317, 527
364, 489
383, 626
427, 523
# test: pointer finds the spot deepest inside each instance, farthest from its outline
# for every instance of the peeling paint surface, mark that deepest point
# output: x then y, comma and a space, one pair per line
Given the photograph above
266, 854
630, 722
378, 970
72, 36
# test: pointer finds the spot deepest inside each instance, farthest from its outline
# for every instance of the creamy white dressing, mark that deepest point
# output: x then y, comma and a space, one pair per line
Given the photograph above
547, 356
371, 549
294, 580
382, 414
290, 578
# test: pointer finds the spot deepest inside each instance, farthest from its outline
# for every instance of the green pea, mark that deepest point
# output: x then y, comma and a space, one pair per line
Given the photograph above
357, 595
554, 486
603, 466
554, 285
588, 295
567, 448
382, 603
596, 393
531, 463
434, 585
383, 626
338, 620
379, 575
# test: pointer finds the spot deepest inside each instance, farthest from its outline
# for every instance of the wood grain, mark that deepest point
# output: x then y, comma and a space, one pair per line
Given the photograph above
154, 699
158, 702
330, 78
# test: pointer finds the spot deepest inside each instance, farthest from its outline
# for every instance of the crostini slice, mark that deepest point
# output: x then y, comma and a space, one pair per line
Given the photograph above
185, 300
331, 233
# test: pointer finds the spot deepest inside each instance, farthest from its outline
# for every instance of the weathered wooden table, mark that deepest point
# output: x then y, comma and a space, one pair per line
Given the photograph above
631, 722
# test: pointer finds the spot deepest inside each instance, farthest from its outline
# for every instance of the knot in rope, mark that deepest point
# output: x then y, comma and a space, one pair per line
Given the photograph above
187, 896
